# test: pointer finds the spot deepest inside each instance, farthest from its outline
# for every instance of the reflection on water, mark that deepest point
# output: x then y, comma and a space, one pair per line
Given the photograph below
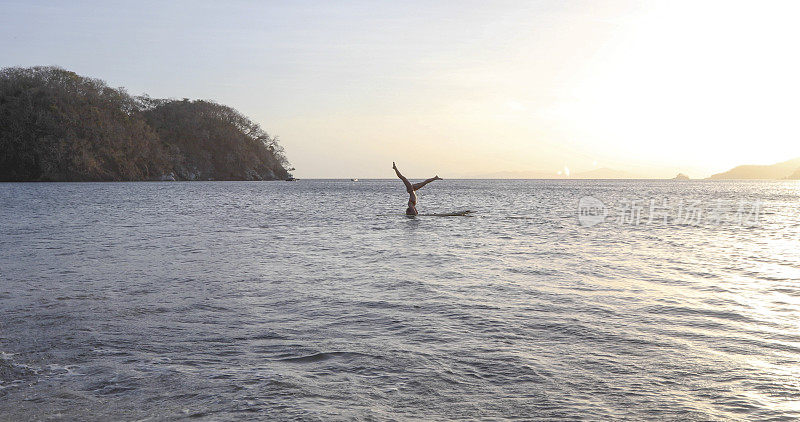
320, 299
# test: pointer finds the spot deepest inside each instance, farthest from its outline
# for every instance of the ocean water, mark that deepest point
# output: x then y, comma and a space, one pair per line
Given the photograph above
320, 300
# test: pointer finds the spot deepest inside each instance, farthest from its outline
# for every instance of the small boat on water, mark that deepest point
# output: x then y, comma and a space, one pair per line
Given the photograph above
354, 180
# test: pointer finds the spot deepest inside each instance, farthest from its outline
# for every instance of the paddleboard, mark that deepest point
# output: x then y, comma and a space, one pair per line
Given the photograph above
448, 214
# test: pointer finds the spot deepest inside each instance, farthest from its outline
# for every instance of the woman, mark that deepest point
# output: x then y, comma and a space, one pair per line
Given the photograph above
411, 189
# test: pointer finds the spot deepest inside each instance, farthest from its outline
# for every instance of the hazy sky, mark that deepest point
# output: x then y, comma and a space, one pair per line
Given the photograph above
454, 88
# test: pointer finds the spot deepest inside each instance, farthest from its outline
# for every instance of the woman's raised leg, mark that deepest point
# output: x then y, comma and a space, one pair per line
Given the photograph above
409, 186
425, 182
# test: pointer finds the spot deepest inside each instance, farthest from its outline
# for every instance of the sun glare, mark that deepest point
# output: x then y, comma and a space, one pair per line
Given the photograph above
714, 79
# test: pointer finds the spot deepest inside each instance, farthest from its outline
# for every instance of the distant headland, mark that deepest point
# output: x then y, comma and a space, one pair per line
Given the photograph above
58, 126
783, 170
786, 170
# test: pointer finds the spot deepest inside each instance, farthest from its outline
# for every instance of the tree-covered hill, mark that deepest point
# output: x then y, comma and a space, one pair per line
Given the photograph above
58, 126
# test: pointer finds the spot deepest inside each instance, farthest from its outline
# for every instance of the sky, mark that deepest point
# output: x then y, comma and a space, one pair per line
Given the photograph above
458, 89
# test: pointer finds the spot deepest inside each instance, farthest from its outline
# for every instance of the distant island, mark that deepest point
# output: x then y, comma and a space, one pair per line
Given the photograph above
596, 174
783, 170
58, 126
